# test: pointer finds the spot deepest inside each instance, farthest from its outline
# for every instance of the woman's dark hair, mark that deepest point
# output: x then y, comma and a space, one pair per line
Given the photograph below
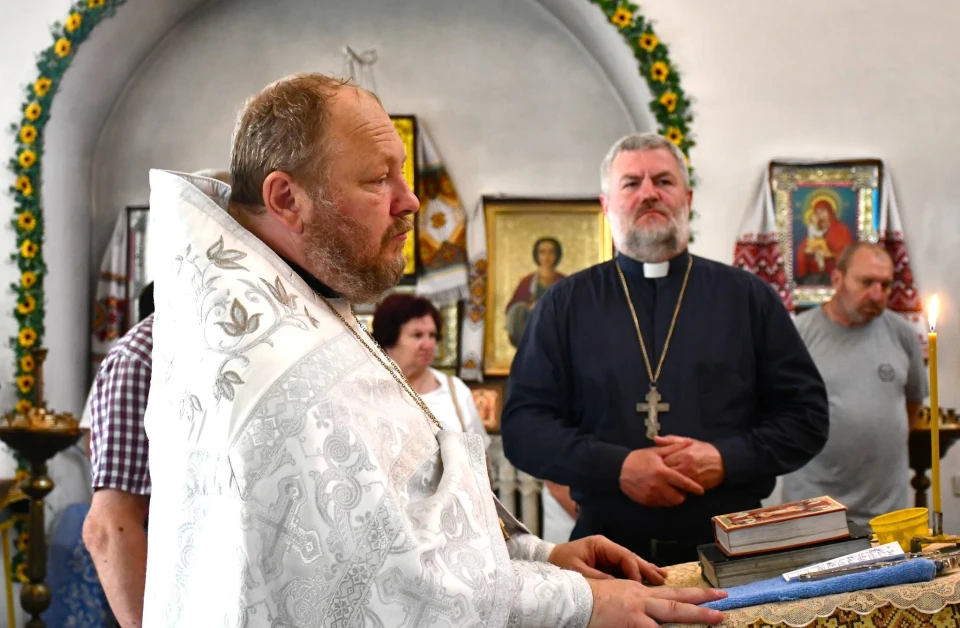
145, 305
556, 246
395, 311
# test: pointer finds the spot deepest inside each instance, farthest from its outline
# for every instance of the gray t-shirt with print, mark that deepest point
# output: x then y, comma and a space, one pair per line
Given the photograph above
870, 372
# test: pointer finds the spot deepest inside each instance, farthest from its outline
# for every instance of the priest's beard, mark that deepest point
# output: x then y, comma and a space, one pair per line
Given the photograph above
657, 244
338, 248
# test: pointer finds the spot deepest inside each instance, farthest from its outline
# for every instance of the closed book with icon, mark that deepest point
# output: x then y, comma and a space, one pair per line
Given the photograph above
724, 571
786, 526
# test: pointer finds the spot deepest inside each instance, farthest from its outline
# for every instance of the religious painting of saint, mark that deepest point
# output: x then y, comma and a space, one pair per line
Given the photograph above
820, 210
782, 512
489, 400
531, 245
547, 254
825, 233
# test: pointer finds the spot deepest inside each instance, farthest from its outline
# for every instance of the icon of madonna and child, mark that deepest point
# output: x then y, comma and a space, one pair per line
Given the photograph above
825, 231
547, 253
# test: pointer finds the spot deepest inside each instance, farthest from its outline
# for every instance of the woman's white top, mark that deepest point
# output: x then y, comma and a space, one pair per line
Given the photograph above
441, 403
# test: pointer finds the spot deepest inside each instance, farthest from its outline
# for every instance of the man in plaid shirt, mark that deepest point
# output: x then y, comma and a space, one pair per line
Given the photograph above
115, 528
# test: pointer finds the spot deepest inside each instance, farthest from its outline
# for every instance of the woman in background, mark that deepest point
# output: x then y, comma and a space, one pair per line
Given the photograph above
408, 329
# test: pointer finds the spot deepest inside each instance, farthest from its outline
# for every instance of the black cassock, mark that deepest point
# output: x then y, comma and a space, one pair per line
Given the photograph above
736, 375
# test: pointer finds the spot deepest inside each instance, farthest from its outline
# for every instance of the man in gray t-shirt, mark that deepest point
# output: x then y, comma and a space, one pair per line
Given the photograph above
871, 362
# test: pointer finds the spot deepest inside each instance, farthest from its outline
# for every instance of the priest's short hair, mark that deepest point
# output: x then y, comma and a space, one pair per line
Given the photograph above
642, 142
285, 127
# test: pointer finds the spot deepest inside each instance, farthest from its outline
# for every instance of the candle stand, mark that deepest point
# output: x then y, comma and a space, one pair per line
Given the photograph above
38, 435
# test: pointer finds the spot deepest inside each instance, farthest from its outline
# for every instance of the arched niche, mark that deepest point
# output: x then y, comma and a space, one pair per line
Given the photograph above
521, 98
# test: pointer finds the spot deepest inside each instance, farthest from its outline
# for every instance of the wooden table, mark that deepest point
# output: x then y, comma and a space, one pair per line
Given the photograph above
935, 603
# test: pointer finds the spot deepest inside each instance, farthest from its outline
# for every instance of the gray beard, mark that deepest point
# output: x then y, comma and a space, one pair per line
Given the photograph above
360, 275
653, 246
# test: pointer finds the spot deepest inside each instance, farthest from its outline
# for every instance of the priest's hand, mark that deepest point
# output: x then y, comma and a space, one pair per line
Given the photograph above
647, 480
627, 604
597, 556
695, 459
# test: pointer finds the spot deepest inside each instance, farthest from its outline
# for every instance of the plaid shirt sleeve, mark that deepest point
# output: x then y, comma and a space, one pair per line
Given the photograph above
118, 441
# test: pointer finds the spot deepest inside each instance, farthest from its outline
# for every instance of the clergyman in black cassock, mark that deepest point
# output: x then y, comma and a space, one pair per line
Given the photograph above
738, 399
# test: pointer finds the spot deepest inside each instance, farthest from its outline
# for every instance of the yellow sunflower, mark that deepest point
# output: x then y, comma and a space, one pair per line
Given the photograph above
62, 47
27, 337
26, 221
93, 4
25, 383
675, 135
23, 406
622, 17
649, 42
28, 134
669, 100
26, 306
27, 364
28, 279
22, 573
33, 111
23, 541
72, 23
29, 249
23, 183
659, 71
27, 158
42, 86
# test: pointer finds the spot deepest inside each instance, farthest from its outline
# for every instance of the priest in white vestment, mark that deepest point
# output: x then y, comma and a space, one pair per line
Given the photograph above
298, 480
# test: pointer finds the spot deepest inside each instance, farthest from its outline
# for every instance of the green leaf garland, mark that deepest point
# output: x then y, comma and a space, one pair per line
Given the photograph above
670, 104
27, 221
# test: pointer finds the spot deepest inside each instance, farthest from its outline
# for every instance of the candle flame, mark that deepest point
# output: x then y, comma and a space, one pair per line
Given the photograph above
933, 309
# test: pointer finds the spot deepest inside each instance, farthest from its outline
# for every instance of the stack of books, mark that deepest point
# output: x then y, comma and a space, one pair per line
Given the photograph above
768, 542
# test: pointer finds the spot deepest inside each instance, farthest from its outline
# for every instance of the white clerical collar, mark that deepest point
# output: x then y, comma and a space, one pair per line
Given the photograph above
656, 270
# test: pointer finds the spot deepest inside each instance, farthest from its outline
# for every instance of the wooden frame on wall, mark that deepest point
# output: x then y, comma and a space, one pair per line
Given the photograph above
406, 126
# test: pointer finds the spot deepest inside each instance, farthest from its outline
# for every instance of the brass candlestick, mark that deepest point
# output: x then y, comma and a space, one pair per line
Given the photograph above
38, 435
947, 422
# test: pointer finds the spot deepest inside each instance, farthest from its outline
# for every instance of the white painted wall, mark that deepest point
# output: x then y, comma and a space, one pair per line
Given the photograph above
511, 100
825, 79
795, 79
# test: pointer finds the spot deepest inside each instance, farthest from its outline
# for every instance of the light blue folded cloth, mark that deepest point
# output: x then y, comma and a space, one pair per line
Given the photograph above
779, 590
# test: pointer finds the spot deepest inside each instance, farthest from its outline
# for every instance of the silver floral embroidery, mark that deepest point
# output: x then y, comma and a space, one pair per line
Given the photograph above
393, 516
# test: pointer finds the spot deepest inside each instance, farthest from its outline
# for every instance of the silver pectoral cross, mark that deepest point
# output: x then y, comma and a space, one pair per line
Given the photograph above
653, 408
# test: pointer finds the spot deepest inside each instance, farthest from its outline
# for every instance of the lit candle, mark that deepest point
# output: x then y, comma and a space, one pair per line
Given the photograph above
932, 310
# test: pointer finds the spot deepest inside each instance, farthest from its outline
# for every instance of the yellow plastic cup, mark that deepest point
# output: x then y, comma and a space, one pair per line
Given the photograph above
901, 526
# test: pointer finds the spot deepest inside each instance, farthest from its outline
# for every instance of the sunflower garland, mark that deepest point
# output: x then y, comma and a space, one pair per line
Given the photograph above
27, 222
670, 105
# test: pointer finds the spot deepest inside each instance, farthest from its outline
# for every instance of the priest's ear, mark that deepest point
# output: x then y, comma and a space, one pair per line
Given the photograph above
285, 200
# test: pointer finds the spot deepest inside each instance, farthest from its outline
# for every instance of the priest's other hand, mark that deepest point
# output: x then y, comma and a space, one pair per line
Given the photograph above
597, 556
647, 480
695, 459
628, 604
